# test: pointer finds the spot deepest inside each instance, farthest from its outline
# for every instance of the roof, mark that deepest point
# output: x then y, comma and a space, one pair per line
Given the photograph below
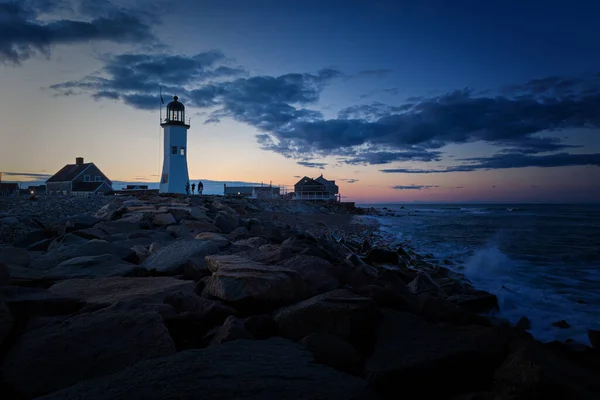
324, 181
175, 105
239, 189
308, 181
86, 186
69, 172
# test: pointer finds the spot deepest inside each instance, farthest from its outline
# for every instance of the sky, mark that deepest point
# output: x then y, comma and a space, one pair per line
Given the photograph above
397, 101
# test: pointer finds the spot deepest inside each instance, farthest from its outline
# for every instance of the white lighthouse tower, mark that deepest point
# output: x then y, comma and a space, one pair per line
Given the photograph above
175, 176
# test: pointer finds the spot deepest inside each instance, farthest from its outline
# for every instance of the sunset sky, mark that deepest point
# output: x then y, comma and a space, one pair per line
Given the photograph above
398, 101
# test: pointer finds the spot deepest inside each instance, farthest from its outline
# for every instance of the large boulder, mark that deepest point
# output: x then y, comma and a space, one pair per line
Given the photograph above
6, 321
219, 240
232, 329
339, 312
319, 275
226, 222
333, 351
82, 347
241, 369
101, 266
164, 219
113, 227
236, 279
412, 352
92, 248
107, 291
14, 256
477, 301
172, 258
27, 302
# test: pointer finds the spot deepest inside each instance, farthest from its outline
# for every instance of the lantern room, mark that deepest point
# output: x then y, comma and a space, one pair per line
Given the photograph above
175, 113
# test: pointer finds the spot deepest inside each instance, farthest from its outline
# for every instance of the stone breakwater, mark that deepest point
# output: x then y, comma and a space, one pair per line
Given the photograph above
204, 297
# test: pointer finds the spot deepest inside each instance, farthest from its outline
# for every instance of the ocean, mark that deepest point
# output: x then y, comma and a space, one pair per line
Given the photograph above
542, 261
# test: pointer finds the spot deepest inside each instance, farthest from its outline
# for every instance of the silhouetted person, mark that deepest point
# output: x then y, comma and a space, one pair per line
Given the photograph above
200, 187
187, 188
193, 187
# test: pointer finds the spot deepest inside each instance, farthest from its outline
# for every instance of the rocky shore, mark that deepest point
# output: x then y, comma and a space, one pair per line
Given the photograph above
173, 297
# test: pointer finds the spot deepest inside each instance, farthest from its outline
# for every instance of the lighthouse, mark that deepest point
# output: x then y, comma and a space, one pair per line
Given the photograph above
175, 176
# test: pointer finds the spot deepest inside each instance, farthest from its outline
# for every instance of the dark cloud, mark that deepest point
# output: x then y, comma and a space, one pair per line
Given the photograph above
459, 187
505, 161
26, 175
386, 157
519, 121
312, 164
22, 35
349, 180
413, 187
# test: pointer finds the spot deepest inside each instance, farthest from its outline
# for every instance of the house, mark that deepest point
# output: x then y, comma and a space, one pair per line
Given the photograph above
8, 189
316, 189
245, 191
79, 179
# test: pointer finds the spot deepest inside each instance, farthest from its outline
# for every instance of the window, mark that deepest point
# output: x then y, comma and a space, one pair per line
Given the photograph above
182, 151
165, 178
87, 178
97, 179
174, 150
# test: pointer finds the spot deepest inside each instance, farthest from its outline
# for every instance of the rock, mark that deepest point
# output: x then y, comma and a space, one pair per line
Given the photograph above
90, 233
66, 240
141, 252
319, 275
113, 227
477, 301
180, 231
381, 256
239, 233
232, 329
101, 266
107, 291
210, 311
25, 302
14, 256
241, 369
83, 347
154, 247
164, 219
235, 279
561, 324
533, 370
339, 312
6, 322
436, 309
424, 284
4, 274
225, 222
171, 258
108, 212
594, 336
272, 254
9, 221
387, 296
91, 248
37, 240
261, 326
410, 351
523, 323
333, 351
251, 243
196, 227
219, 240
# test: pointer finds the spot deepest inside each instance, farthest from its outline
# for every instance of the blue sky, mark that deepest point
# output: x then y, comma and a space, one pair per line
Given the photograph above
397, 101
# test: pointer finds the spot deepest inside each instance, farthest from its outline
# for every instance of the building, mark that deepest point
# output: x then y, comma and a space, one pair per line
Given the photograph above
316, 189
9, 189
245, 191
79, 179
175, 177
253, 192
